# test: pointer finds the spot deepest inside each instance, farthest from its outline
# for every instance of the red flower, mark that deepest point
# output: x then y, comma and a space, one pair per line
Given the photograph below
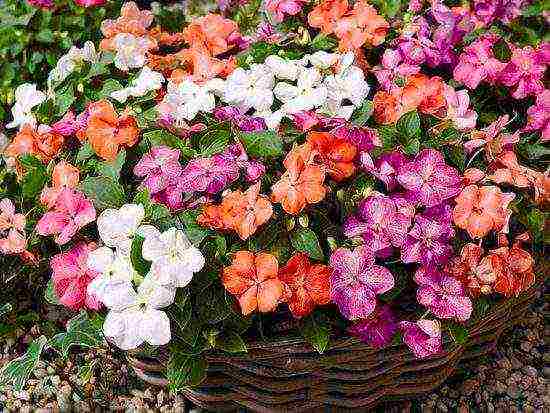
337, 154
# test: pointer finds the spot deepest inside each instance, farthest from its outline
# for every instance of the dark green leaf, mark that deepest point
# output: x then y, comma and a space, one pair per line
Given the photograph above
408, 125
103, 191
109, 86
502, 51
324, 42
50, 295
82, 332
231, 342
185, 370
112, 169
266, 144
33, 182
18, 371
458, 333
316, 331
305, 240
141, 265
64, 99
194, 231
213, 142
362, 114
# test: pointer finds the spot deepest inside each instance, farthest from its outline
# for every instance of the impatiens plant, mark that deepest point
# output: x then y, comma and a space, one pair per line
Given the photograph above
286, 167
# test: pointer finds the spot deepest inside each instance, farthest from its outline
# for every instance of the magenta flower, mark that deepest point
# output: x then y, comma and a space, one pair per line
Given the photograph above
363, 138
280, 8
385, 167
524, 71
477, 63
356, 281
306, 120
392, 69
90, 3
72, 211
43, 4
423, 337
244, 122
160, 167
379, 222
210, 175
254, 170
538, 116
428, 179
378, 329
443, 295
71, 277
428, 240
487, 11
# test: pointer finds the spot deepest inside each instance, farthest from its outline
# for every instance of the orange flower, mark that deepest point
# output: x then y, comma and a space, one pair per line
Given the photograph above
210, 33
362, 25
307, 285
387, 107
337, 154
132, 20
241, 212
106, 131
302, 183
64, 175
43, 145
478, 210
253, 280
473, 271
327, 14
512, 172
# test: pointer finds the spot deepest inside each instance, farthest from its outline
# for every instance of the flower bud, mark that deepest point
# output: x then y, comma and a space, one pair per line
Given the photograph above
303, 220
290, 224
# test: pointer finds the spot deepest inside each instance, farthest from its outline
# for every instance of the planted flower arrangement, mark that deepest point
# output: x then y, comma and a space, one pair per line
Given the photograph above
224, 199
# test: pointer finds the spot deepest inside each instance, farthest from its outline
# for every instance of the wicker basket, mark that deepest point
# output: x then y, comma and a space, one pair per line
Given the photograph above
289, 376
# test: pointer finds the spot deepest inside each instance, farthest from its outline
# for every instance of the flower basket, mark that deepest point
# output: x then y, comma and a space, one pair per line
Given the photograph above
288, 375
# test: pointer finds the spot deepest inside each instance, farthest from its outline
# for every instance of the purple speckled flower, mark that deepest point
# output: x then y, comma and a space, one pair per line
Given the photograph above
378, 329
524, 71
428, 240
254, 170
442, 294
428, 179
160, 167
379, 222
363, 138
385, 167
423, 337
477, 63
487, 11
210, 175
538, 116
356, 281
392, 69
244, 122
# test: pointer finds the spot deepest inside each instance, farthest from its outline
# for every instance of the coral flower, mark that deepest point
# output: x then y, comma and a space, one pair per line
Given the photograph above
41, 143
241, 212
337, 154
210, 34
302, 183
423, 337
72, 211
71, 277
473, 271
478, 210
307, 285
253, 279
362, 25
327, 14
425, 93
107, 132
492, 139
281, 7
14, 241
64, 175
132, 20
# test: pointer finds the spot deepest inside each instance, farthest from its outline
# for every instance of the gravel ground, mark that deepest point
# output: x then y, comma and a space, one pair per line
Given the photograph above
515, 379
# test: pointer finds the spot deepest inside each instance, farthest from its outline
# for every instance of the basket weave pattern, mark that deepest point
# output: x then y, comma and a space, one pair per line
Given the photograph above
289, 376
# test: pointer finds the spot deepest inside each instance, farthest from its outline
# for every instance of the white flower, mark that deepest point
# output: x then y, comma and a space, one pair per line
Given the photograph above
308, 93
130, 50
347, 84
141, 320
323, 60
174, 258
146, 81
69, 61
184, 100
26, 98
250, 88
113, 286
117, 227
284, 69
272, 119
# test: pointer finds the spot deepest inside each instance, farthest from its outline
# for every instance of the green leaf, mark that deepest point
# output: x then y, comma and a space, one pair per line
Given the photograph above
324, 42
185, 370
109, 86
458, 333
33, 182
213, 142
408, 125
81, 331
103, 191
502, 51
163, 137
50, 295
305, 240
194, 231
265, 144
316, 331
112, 169
141, 265
45, 36
19, 370
231, 342
64, 99
362, 114
85, 152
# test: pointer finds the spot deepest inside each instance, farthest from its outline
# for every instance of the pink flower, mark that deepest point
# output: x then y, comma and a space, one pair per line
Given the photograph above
90, 3
160, 167
210, 175
443, 295
71, 277
72, 211
280, 8
363, 138
423, 337
458, 110
525, 71
12, 226
356, 281
43, 4
538, 116
393, 68
385, 167
477, 63
306, 120
267, 33
378, 329
492, 138
254, 170
428, 179
379, 222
